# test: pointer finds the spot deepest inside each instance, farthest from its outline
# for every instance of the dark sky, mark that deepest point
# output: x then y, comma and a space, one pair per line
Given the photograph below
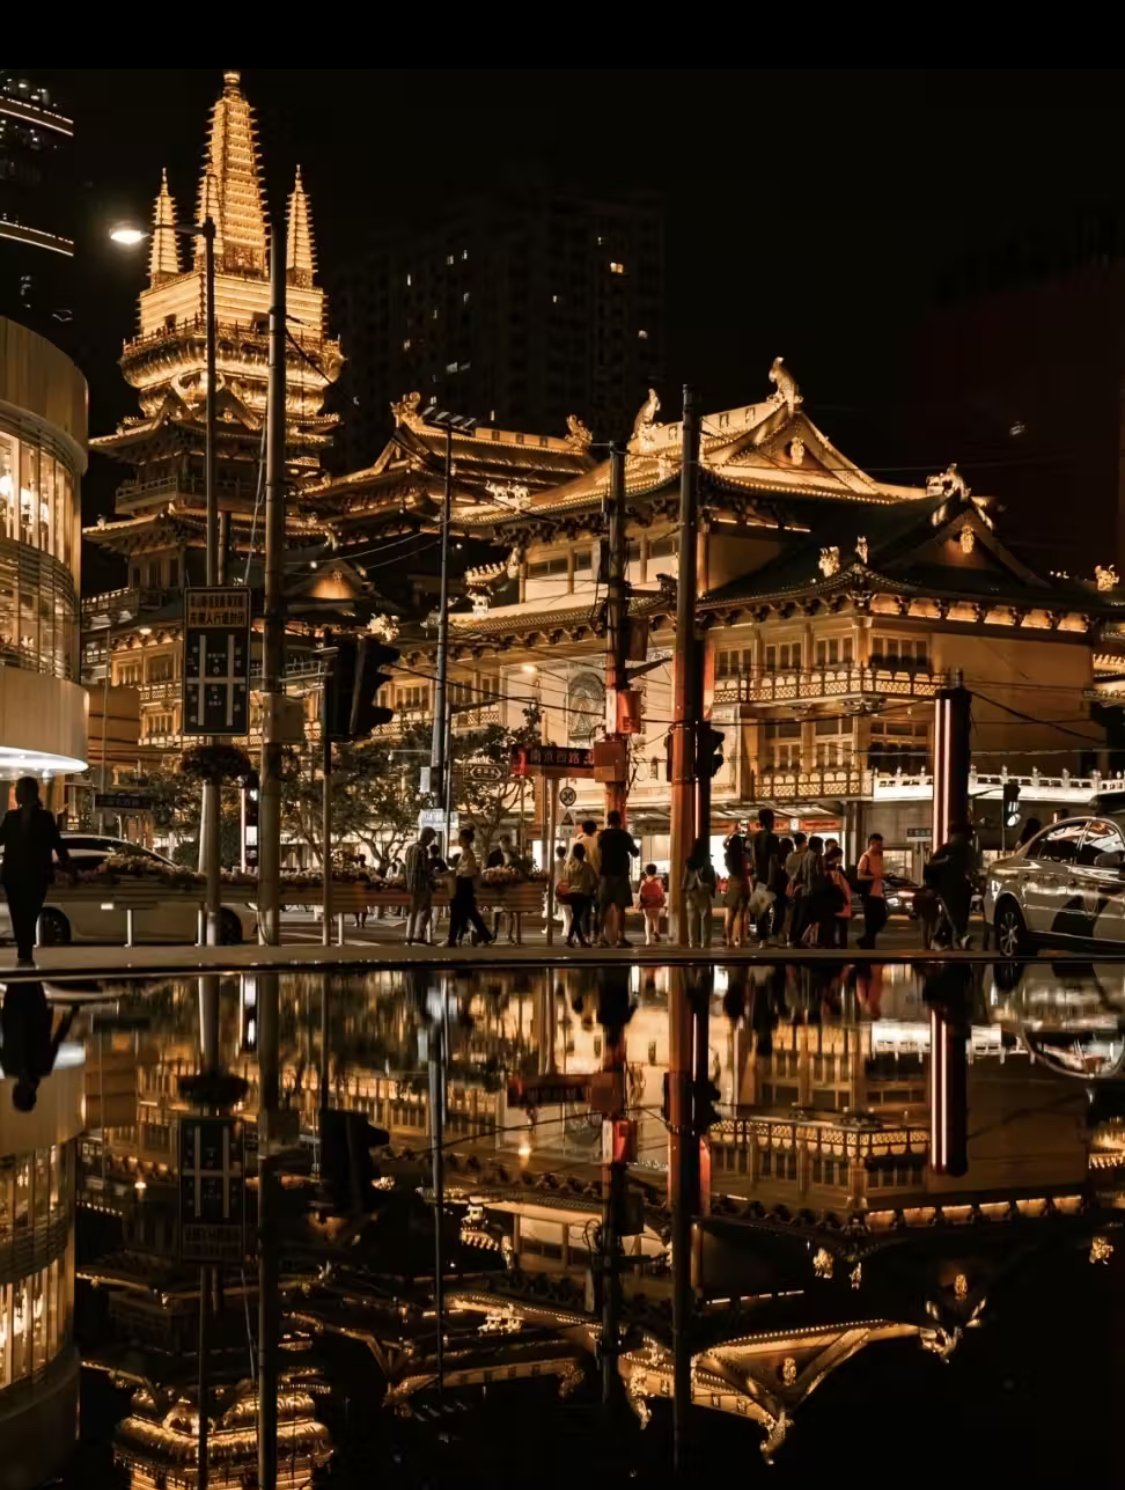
808, 212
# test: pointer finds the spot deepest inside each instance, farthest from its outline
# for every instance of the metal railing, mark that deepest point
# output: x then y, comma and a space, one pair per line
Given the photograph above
847, 680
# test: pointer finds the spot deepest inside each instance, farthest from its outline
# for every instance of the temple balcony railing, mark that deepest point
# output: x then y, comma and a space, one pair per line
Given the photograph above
118, 607
133, 494
849, 680
163, 691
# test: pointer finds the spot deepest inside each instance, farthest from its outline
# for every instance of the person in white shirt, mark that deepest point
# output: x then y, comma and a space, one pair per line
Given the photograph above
463, 911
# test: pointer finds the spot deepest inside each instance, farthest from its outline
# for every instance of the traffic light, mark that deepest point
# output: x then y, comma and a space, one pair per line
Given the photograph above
346, 1167
360, 669
251, 792
708, 751
704, 1105
1011, 808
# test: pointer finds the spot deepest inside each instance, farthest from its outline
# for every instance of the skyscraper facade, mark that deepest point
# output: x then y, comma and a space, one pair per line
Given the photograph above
34, 204
518, 308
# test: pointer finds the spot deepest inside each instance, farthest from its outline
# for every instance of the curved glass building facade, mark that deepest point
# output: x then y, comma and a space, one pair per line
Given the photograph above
38, 1360
42, 459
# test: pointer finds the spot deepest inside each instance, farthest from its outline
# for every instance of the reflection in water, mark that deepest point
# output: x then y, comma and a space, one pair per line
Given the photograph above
896, 1147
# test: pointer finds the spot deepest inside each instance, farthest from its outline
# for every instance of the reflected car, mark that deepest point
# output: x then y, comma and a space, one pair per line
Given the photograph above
173, 918
899, 893
1064, 887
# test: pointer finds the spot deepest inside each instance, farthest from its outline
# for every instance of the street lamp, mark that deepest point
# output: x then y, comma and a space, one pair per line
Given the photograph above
129, 236
452, 424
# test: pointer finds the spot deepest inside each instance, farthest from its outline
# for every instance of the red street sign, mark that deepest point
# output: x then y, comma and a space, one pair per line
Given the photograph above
552, 760
546, 1091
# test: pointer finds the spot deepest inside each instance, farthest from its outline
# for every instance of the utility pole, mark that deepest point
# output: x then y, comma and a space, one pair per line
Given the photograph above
685, 670
617, 625
438, 764
330, 682
437, 1138
211, 806
268, 1244
683, 1185
273, 640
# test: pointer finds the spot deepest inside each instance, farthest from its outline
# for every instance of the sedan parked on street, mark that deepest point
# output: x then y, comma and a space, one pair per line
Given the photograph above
173, 918
1065, 886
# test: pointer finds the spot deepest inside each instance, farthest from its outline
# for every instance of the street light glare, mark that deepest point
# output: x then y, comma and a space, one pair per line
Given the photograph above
130, 237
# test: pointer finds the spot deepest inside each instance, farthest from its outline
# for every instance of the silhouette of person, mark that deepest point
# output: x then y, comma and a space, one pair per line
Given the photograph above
31, 1044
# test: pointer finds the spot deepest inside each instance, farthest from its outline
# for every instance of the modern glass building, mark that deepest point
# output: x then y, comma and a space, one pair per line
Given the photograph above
42, 458
38, 1359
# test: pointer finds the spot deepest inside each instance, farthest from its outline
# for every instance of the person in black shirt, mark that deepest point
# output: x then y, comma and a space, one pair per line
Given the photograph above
765, 849
31, 840
616, 850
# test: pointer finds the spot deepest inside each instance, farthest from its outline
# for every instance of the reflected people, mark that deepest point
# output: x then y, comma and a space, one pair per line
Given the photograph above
30, 1041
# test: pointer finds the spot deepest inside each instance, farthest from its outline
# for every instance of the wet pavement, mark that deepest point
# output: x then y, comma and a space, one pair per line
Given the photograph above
907, 1197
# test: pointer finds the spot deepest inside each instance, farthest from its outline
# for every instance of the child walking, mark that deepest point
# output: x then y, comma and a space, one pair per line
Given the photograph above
653, 899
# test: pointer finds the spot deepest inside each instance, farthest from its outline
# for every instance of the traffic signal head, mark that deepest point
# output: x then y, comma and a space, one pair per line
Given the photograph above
709, 751
705, 1108
1010, 807
360, 668
373, 672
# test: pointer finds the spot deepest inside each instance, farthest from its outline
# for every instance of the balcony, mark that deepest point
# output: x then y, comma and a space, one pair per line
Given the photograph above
133, 494
848, 681
118, 607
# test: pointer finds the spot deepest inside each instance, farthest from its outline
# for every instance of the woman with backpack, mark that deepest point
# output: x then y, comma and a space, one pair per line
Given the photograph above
698, 885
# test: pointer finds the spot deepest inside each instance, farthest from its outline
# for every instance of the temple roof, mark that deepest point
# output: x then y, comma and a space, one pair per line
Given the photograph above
230, 188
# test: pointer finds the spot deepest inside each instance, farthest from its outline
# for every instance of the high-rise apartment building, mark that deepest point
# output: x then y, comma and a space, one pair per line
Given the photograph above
519, 308
34, 205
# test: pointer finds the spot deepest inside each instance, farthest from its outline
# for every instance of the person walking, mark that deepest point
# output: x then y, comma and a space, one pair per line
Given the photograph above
580, 884
869, 873
418, 875
950, 871
588, 838
765, 848
840, 894
811, 903
698, 885
463, 911
563, 910
616, 851
652, 902
737, 895
793, 861
30, 838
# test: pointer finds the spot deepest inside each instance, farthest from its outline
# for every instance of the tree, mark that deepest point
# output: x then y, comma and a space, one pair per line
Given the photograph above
488, 803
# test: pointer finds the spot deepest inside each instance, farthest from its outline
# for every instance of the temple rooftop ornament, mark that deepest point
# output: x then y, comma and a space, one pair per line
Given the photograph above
787, 391
1105, 576
644, 425
829, 563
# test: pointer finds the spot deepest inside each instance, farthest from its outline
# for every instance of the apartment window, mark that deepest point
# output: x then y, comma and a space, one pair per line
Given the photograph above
554, 300
465, 297
833, 651
434, 314
409, 281
406, 345
900, 654
642, 336
412, 697
633, 551
833, 742
616, 268
899, 745
450, 259
451, 367
783, 658
160, 669
129, 674
782, 745
544, 567
464, 255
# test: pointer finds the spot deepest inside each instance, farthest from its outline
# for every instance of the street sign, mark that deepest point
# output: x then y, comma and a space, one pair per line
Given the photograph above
921, 835
124, 801
434, 817
216, 661
211, 1191
547, 1091
568, 796
482, 771
552, 760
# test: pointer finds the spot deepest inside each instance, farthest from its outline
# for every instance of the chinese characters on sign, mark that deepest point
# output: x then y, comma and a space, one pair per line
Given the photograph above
216, 661
211, 1191
552, 760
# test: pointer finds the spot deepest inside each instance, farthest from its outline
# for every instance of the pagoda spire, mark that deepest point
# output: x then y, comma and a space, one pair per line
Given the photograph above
164, 254
210, 206
232, 160
300, 252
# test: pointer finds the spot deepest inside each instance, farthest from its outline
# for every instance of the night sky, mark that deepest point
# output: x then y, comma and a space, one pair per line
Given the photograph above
810, 214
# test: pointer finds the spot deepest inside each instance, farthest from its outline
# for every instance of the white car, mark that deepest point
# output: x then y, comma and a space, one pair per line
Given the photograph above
1066, 886
173, 918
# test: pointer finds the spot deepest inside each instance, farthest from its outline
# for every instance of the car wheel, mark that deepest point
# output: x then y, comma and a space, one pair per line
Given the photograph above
230, 928
1011, 930
54, 929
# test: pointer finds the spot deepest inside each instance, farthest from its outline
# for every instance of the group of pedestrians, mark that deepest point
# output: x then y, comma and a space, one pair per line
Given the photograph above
594, 884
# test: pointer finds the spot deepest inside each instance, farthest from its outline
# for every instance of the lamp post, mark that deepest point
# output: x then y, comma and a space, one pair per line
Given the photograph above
463, 424
129, 236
